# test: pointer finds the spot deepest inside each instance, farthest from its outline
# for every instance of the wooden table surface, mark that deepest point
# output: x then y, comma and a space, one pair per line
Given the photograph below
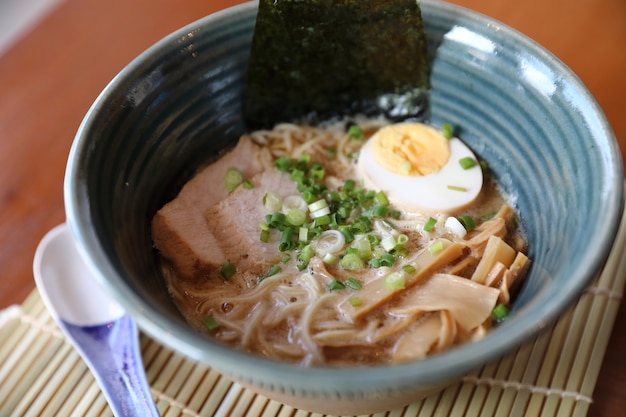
51, 76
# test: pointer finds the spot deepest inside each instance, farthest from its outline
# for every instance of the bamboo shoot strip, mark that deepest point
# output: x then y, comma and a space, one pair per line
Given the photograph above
312, 60
426, 263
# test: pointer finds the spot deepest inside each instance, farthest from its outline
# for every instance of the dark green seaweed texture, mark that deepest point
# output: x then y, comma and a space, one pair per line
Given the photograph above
312, 60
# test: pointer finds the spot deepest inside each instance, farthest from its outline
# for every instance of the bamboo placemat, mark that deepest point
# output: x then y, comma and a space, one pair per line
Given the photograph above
552, 375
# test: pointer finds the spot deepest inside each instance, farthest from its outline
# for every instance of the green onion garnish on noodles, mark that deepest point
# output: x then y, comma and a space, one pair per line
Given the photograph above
436, 247
395, 281
296, 217
228, 270
271, 272
409, 269
335, 285
447, 130
500, 312
272, 201
355, 302
351, 262
210, 323
430, 224
232, 179
457, 188
467, 162
355, 133
467, 222
353, 283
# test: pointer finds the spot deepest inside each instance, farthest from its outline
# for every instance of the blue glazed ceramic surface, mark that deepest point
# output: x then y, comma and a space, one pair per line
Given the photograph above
175, 106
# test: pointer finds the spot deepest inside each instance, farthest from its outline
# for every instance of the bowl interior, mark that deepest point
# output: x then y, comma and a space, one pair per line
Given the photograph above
179, 103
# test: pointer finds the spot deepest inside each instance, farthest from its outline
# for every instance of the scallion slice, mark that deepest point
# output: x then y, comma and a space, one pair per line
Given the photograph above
409, 269
272, 201
232, 179
447, 130
351, 262
467, 162
355, 302
395, 281
335, 285
430, 224
210, 323
500, 312
228, 270
457, 188
467, 222
355, 133
353, 283
436, 247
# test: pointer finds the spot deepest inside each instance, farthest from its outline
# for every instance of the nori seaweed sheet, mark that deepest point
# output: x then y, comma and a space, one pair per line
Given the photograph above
313, 60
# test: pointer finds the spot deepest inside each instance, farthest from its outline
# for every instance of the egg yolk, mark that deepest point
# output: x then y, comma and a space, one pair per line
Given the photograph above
410, 149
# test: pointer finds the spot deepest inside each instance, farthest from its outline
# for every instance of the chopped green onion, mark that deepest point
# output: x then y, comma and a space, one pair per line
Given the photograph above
436, 247
297, 175
500, 312
286, 240
364, 249
373, 239
430, 224
317, 171
272, 201
296, 217
285, 259
409, 269
305, 157
233, 178
318, 205
210, 323
379, 211
467, 222
330, 259
335, 285
351, 262
447, 130
457, 188
272, 271
347, 234
401, 239
264, 236
283, 164
381, 197
322, 220
467, 162
306, 254
228, 270
353, 284
388, 242
348, 185
387, 260
303, 234
395, 281
277, 219
355, 302
355, 133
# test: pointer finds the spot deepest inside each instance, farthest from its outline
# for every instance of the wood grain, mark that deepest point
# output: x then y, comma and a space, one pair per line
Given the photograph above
51, 76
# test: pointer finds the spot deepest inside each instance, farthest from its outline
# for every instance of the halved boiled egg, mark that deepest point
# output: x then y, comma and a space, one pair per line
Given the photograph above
419, 169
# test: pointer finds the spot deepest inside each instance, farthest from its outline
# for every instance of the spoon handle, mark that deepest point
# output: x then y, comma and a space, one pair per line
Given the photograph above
111, 352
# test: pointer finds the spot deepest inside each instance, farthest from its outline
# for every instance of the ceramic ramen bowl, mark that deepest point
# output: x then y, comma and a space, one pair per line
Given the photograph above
179, 103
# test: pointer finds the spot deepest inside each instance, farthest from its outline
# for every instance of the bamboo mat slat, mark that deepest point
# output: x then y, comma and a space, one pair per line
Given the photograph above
552, 375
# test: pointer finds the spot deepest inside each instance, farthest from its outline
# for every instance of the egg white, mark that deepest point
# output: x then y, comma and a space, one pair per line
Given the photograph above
428, 193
